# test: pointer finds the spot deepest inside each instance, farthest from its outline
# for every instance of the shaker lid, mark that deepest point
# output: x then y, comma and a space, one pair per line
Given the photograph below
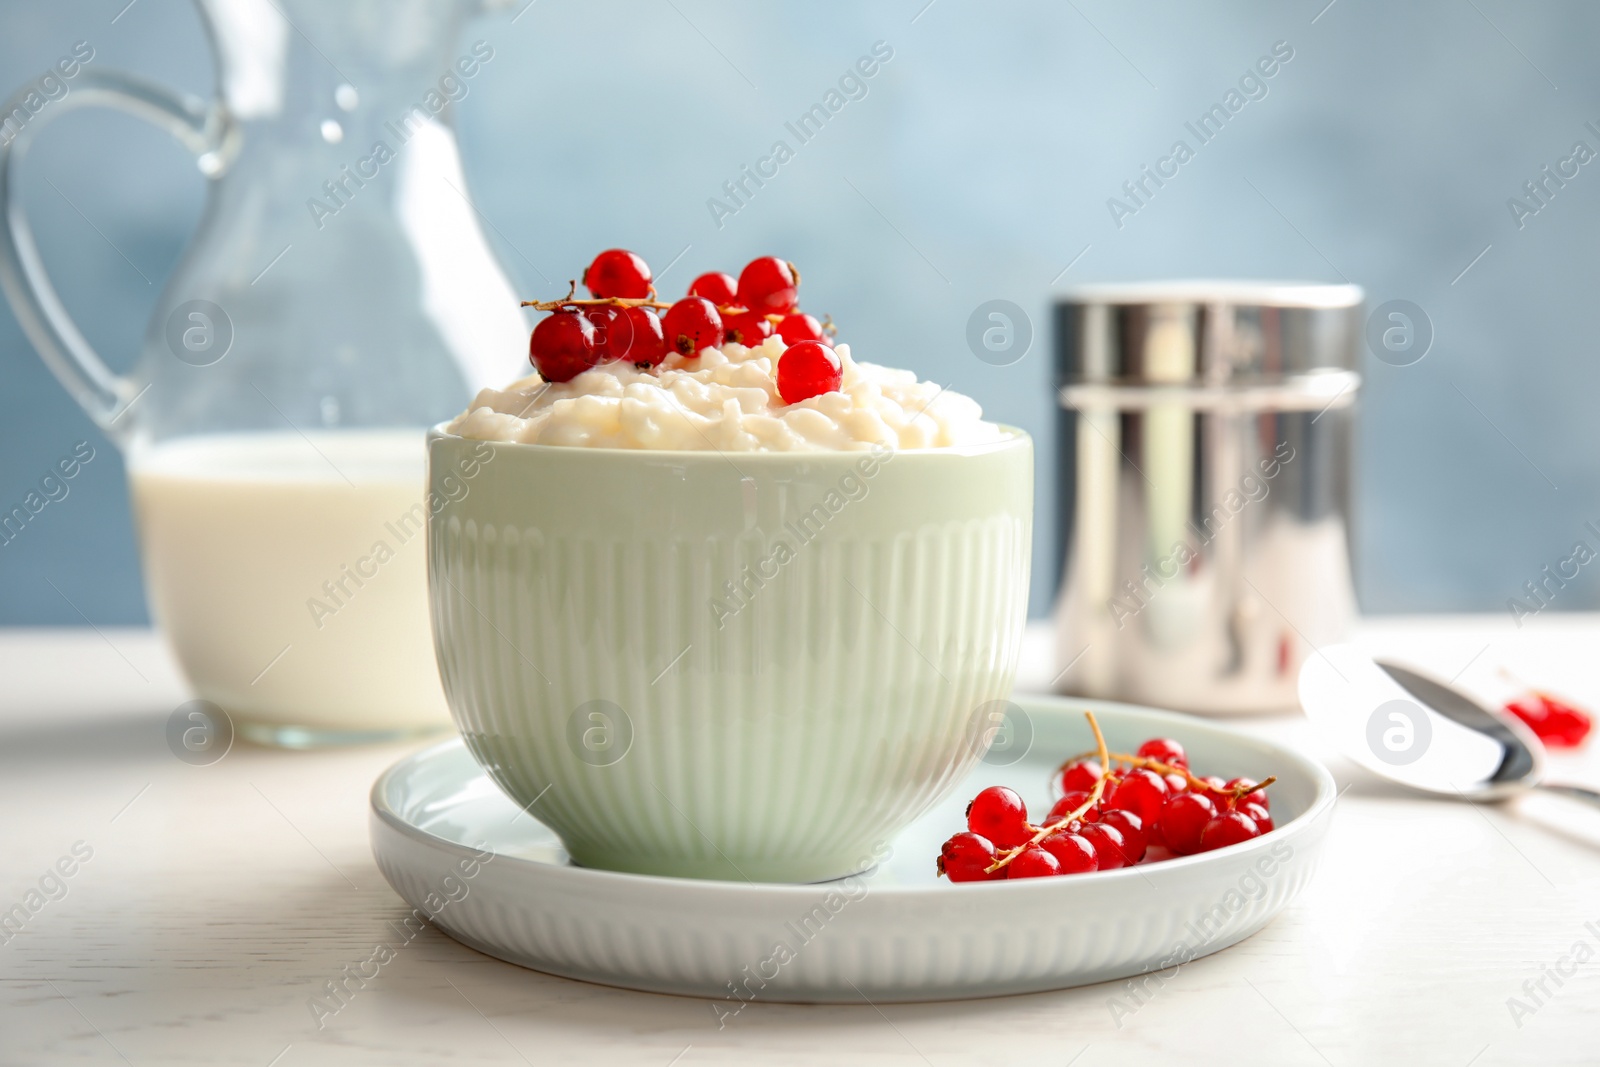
1238, 292
1207, 332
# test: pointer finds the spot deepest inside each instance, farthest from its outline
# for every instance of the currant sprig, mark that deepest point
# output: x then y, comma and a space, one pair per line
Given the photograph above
812, 330
1116, 809
619, 321
1042, 832
1232, 793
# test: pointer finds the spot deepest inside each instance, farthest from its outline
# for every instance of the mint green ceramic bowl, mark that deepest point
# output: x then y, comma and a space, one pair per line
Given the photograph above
727, 665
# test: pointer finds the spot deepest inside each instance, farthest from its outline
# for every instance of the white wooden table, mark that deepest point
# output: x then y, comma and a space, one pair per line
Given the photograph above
217, 899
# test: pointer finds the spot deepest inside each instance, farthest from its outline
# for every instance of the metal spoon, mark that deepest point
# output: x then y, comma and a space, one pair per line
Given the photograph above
1421, 732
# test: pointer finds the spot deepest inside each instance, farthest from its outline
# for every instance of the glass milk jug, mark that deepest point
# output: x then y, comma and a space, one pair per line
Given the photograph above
338, 298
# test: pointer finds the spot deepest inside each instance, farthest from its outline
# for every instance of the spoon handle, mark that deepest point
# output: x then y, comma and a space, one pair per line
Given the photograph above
1577, 792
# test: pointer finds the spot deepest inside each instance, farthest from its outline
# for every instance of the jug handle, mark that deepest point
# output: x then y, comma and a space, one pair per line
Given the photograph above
206, 130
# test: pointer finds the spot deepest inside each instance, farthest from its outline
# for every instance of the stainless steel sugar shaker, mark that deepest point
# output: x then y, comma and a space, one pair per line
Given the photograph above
1205, 458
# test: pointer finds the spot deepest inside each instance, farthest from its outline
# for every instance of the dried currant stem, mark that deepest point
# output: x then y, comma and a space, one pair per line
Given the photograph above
1167, 768
572, 300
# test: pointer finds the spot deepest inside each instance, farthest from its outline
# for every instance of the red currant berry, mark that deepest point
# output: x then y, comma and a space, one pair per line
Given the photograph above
1566, 726
604, 320
806, 370
618, 272
1131, 827
768, 284
1229, 828
1072, 852
638, 339
1254, 797
1555, 722
562, 346
1080, 776
1069, 804
1176, 783
1164, 750
999, 814
1033, 862
715, 286
1110, 851
1217, 785
1263, 819
797, 326
748, 328
692, 324
1531, 710
1141, 792
1183, 819
966, 857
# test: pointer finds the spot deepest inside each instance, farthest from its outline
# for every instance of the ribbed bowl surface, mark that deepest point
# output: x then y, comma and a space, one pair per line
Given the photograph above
756, 667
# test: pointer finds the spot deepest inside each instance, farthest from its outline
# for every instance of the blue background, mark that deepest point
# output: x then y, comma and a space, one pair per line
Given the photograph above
978, 167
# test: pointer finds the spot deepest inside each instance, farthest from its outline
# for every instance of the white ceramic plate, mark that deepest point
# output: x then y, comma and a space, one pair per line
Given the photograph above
897, 933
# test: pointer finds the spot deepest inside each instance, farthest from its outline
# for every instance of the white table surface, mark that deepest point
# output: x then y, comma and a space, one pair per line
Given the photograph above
218, 898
